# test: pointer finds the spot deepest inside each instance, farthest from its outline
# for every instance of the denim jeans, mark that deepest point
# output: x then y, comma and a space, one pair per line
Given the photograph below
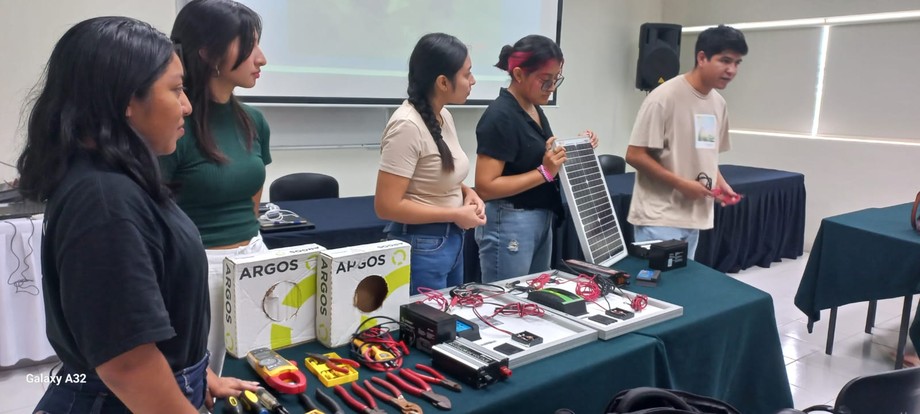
437, 253
691, 236
514, 242
85, 393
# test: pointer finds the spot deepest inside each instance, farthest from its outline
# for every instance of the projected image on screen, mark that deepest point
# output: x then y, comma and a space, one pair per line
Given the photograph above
357, 51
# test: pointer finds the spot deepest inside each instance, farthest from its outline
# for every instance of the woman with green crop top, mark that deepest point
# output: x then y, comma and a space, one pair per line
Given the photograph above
218, 169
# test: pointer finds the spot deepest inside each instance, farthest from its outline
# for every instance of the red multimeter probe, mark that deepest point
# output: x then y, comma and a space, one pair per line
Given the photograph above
276, 371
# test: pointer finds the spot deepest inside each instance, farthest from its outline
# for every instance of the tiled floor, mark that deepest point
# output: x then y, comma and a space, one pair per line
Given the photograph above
815, 378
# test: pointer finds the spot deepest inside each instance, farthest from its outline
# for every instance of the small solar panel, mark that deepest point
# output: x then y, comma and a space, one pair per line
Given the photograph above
589, 204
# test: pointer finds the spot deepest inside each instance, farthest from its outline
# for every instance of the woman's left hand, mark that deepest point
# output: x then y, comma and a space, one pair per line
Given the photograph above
591, 135
472, 198
221, 387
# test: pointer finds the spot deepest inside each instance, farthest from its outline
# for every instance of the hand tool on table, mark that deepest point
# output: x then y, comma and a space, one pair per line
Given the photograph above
421, 389
370, 408
270, 402
278, 372
436, 377
324, 399
394, 397
232, 406
333, 363
250, 401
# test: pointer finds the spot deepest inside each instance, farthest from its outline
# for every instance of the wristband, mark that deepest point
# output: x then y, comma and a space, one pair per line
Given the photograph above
546, 176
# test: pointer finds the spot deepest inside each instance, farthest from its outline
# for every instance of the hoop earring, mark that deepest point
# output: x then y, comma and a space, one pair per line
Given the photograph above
217, 70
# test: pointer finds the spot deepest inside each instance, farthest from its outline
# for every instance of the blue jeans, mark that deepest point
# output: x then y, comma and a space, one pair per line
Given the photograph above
691, 236
514, 242
86, 393
437, 253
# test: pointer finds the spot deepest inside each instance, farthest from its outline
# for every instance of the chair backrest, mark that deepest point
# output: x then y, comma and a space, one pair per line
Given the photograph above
889, 392
612, 164
303, 186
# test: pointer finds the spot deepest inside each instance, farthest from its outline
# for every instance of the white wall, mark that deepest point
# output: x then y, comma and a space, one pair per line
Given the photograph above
840, 176
600, 41
29, 30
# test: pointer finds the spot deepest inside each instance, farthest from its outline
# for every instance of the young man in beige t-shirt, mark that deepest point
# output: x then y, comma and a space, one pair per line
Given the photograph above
679, 132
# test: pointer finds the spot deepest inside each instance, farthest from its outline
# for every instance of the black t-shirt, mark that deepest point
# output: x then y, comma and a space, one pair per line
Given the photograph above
505, 132
119, 271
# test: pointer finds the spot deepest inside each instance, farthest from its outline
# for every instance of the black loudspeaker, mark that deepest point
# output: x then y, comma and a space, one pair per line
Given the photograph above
659, 54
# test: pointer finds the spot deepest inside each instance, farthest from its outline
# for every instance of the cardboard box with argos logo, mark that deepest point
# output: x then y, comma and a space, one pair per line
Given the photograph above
356, 283
269, 298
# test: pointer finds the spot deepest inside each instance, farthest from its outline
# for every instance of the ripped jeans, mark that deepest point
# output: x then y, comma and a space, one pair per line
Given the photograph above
514, 242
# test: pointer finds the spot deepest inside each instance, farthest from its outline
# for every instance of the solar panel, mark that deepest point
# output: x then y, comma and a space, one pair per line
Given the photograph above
589, 204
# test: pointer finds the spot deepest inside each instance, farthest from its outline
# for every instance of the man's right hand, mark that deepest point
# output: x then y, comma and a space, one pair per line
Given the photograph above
693, 190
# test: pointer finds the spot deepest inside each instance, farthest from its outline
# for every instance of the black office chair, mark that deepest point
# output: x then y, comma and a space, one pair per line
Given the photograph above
303, 186
612, 164
889, 392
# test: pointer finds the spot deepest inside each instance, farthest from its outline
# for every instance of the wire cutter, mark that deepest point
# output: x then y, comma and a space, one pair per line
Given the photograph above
312, 408
394, 398
422, 390
436, 377
334, 364
370, 408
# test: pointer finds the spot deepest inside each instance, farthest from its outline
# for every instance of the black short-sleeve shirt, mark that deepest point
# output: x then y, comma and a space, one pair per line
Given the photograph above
119, 271
505, 132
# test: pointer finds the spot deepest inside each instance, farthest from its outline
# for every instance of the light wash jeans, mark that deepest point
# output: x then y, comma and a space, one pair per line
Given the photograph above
691, 236
437, 253
514, 242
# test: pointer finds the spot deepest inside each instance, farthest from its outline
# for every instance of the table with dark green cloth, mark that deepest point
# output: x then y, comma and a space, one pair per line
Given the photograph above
725, 345
767, 226
861, 256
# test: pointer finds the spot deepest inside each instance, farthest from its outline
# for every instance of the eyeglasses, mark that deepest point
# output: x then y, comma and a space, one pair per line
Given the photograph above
552, 83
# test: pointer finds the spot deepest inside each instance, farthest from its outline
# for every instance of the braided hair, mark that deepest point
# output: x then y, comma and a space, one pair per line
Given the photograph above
435, 54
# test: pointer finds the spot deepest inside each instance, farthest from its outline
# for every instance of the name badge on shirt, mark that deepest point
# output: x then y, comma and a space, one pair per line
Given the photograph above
707, 131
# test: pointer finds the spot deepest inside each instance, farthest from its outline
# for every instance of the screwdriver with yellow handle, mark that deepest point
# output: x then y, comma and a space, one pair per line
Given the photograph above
251, 403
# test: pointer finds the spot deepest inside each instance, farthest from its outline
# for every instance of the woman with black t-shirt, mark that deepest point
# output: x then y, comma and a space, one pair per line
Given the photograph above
124, 270
516, 164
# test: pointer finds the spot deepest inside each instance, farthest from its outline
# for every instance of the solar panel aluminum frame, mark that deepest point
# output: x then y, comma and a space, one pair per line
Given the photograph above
567, 174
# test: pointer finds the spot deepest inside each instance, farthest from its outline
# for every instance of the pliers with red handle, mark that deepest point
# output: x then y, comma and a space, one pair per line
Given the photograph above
436, 377
370, 408
421, 390
394, 398
334, 364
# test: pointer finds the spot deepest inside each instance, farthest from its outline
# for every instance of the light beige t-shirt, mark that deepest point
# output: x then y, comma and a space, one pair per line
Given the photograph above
685, 132
408, 150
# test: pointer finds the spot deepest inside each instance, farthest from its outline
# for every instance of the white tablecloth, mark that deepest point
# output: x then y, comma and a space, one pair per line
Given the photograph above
22, 312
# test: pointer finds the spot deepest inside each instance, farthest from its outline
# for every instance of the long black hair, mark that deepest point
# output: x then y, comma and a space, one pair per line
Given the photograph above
533, 52
434, 55
80, 103
205, 29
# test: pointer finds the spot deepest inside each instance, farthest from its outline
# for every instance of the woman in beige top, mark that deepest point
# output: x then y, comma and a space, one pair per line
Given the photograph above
422, 167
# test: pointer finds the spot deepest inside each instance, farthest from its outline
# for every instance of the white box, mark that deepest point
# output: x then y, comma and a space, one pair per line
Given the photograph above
358, 282
269, 299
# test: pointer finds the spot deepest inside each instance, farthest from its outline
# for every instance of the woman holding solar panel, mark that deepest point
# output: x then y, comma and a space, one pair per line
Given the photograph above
516, 165
422, 166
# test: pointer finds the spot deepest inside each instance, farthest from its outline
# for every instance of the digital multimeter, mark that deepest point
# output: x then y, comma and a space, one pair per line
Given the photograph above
276, 371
